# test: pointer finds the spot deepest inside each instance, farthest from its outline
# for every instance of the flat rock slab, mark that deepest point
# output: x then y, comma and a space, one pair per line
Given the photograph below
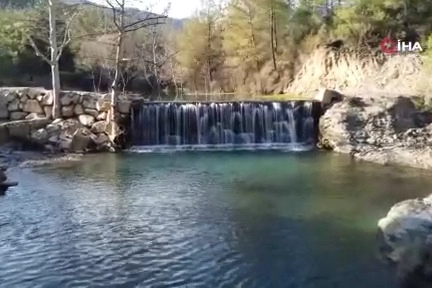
20, 129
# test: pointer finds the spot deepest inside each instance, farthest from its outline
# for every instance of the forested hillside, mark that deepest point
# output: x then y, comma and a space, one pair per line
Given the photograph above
243, 46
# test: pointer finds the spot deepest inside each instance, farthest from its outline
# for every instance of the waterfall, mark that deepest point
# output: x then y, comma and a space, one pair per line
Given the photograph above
223, 125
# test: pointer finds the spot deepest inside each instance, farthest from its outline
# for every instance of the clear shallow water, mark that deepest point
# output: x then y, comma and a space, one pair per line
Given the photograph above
244, 219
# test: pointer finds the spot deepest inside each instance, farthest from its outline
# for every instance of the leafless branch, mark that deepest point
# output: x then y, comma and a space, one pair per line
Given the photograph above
37, 51
144, 25
97, 5
67, 35
120, 4
146, 19
114, 10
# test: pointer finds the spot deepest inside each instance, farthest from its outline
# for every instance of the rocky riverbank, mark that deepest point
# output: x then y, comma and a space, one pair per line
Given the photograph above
385, 130
390, 130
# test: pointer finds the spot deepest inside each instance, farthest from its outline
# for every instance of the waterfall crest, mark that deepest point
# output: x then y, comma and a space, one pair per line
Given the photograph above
288, 125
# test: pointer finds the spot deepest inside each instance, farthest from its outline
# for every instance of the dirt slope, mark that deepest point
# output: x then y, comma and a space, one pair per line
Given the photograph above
350, 72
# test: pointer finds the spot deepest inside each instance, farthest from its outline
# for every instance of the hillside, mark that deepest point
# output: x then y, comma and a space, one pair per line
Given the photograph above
133, 13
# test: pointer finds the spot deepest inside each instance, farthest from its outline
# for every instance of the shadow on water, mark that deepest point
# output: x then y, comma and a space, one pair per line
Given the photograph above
264, 219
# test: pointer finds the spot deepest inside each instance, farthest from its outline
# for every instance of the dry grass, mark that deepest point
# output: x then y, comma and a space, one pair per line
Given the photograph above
366, 74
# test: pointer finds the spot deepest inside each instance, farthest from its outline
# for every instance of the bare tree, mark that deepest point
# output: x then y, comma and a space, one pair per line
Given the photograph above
56, 49
155, 43
171, 51
125, 24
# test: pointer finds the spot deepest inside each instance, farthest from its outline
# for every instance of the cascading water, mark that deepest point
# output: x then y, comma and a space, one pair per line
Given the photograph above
287, 125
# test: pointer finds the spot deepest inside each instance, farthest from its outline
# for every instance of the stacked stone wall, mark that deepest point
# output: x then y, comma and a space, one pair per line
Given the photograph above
27, 116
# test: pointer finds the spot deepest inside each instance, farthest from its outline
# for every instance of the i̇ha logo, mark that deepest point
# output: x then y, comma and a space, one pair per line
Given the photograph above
390, 46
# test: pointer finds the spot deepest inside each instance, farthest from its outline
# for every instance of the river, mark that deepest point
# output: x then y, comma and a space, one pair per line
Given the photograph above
201, 219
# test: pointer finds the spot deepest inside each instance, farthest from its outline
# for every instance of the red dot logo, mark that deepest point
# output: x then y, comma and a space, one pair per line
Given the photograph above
388, 46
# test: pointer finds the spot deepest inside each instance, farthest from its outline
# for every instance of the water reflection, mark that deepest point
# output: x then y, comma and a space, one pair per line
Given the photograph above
203, 219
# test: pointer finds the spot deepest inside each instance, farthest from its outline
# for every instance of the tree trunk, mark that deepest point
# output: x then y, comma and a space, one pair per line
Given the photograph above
155, 68
174, 78
253, 38
115, 83
55, 71
209, 53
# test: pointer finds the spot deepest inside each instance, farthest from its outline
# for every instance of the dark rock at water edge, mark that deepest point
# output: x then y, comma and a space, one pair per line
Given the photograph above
385, 130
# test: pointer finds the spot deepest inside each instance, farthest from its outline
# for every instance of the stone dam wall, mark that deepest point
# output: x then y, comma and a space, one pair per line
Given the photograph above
26, 114
26, 117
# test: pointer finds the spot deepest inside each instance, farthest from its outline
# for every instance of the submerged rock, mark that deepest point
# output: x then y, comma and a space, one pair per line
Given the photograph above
50, 160
406, 240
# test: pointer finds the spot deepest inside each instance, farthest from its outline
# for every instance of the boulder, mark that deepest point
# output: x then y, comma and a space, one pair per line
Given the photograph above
13, 105
89, 101
65, 144
54, 139
81, 140
35, 116
99, 127
327, 96
91, 112
33, 93
17, 115
86, 120
70, 126
40, 136
102, 116
48, 111
59, 121
78, 110
405, 236
66, 99
48, 99
53, 128
11, 95
67, 111
24, 98
76, 98
64, 136
33, 106
100, 139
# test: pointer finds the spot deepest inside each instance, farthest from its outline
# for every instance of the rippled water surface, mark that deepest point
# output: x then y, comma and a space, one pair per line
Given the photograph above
243, 219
